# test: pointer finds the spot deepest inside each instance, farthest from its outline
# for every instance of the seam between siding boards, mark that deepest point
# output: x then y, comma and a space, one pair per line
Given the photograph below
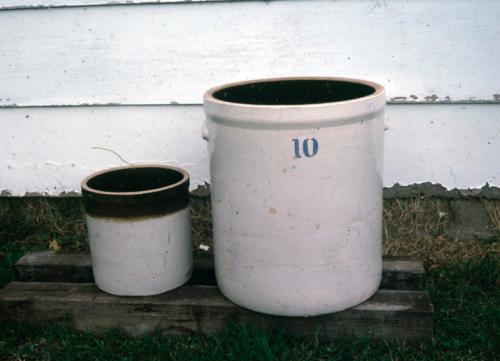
47, 5
86, 105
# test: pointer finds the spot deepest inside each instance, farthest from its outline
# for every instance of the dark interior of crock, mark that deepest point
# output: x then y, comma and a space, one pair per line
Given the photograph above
293, 92
134, 179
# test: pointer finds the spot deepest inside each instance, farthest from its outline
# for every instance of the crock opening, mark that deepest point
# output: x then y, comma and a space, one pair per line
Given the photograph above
134, 179
294, 92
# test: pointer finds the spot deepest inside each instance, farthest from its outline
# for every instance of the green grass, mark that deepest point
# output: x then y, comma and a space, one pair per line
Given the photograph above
463, 280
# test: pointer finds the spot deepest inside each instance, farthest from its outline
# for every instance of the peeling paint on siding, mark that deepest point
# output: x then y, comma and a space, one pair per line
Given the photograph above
429, 190
431, 98
426, 190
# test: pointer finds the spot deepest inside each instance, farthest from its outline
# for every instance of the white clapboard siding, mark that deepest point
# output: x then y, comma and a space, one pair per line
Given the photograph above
42, 4
129, 62
49, 150
423, 51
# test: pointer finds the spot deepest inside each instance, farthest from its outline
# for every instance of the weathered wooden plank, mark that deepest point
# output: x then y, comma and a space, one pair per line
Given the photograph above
165, 53
402, 315
53, 267
400, 273
403, 273
415, 148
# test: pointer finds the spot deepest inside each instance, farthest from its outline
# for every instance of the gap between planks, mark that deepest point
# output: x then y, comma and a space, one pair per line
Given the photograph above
402, 273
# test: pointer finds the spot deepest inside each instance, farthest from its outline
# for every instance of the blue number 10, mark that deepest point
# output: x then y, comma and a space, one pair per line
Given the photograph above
307, 144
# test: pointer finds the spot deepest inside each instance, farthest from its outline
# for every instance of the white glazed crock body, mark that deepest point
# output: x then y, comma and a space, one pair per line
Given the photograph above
141, 257
297, 201
146, 249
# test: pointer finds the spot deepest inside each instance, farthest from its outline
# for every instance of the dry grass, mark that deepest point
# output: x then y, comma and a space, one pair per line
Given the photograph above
416, 227
201, 221
37, 223
411, 227
493, 209
33, 223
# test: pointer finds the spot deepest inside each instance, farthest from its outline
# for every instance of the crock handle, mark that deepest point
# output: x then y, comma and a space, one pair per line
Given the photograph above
204, 131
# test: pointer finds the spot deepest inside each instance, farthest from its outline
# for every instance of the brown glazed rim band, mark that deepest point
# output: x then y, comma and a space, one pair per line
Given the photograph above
167, 197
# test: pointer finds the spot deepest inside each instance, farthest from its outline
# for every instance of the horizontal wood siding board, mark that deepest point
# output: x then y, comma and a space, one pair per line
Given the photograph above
403, 315
53, 4
93, 139
388, 102
422, 51
436, 143
398, 272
